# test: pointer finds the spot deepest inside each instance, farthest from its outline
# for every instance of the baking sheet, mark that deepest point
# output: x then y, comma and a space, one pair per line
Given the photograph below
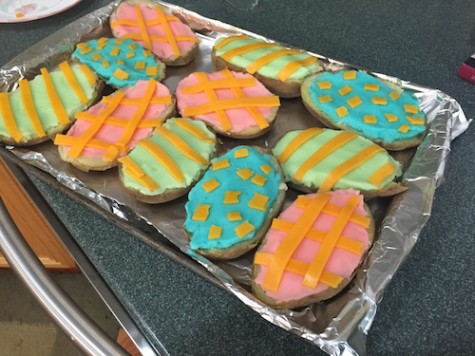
329, 324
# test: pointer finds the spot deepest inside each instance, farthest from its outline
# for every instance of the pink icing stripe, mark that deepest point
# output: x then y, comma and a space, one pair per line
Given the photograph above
161, 49
110, 133
341, 262
240, 118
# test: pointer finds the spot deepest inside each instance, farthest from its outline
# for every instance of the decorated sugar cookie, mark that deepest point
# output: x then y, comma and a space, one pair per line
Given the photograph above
313, 249
112, 127
233, 104
155, 29
230, 208
328, 159
121, 62
357, 101
281, 69
165, 165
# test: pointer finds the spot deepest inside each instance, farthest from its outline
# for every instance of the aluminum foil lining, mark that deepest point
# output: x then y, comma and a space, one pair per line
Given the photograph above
337, 326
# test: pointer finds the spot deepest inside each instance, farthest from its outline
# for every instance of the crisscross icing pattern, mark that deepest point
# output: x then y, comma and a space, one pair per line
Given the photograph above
148, 29
312, 272
106, 117
240, 99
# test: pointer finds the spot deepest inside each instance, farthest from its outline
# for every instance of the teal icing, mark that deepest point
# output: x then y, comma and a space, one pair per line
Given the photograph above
128, 66
383, 130
229, 180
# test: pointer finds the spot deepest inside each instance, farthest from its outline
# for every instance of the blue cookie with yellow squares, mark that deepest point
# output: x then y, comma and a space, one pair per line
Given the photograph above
231, 207
121, 62
357, 101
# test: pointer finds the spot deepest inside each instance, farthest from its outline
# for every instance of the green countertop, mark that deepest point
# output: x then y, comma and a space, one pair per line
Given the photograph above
429, 307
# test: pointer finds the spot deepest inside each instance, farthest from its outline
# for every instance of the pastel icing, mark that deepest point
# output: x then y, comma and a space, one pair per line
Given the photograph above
113, 126
333, 159
269, 59
160, 32
47, 102
368, 105
173, 157
235, 204
313, 245
121, 62
229, 100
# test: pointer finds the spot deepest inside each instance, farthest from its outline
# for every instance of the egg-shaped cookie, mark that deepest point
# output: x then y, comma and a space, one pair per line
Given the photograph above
165, 165
121, 62
231, 207
112, 127
376, 109
46, 105
313, 249
233, 104
324, 159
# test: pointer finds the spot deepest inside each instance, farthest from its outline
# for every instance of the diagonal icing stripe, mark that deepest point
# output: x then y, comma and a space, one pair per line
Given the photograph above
181, 145
297, 142
143, 29
8, 118
161, 156
28, 104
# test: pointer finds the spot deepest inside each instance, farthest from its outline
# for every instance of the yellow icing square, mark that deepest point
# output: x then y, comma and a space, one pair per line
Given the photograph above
234, 216
214, 232
350, 75
259, 180
120, 62
210, 185
325, 99
391, 117
96, 56
324, 85
130, 55
394, 95
354, 101
201, 213
266, 168
231, 197
369, 119
102, 40
341, 111
85, 50
377, 100
146, 53
217, 165
371, 87
152, 71
132, 46
415, 120
404, 128
140, 65
241, 153
345, 90
258, 202
101, 45
411, 109
105, 63
115, 51
82, 45
244, 173
243, 229
121, 74
118, 41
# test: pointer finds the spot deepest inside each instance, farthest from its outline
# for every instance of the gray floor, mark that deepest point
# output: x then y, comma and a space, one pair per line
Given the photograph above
25, 329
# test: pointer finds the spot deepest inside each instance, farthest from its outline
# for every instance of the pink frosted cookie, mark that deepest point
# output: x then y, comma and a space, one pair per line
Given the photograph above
313, 249
233, 104
112, 127
157, 30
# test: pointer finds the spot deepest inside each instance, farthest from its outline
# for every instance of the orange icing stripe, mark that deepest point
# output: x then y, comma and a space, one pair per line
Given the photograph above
130, 101
346, 167
232, 82
133, 170
378, 177
143, 29
73, 82
315, 270
117, 121
181, 145
261, 62
247, 48
193, 130
345, 243
66, 140
168, 32
53, 97
298, 267
324, 151
227, 40
292, 241
233, 103
8, 118
90, 76
291, 67
298, 141
163, 158
138, 37
30, 109
153, 22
